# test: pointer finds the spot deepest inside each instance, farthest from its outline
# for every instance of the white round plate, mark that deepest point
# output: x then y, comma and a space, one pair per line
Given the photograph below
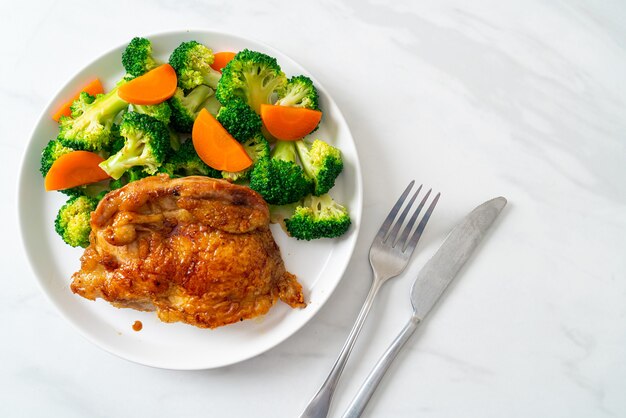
319, 265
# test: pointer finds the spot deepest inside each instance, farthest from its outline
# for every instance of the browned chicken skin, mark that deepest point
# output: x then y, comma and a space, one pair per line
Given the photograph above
196, 249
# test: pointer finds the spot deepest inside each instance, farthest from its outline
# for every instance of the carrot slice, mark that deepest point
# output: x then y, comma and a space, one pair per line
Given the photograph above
154, 87
75, 169
289, 123
216, 147
93, 87
221, 59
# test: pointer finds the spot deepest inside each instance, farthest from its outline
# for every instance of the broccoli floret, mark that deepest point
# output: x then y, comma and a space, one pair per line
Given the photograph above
79, 105
321, 162
299, 92
318, 217
73, 222
90, 130
137, 58
253, 77
240, 120
185, 108
257, 148
132, 174
147, 141
186, 162
279, 179
51, 153
192, 63
161, 111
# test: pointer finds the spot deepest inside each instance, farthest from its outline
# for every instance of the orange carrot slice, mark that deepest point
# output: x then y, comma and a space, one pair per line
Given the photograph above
93, 87
216, 147
289, 123
154, 87
221, 59
75, 169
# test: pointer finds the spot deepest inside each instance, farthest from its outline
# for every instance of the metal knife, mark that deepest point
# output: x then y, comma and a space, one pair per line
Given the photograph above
428, 287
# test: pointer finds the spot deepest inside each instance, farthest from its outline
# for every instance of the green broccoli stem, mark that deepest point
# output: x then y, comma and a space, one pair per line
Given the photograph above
284, 150
278, 213
109, 105
174, 140
197, 97
134, 153
212, 78
303, 152
325, 204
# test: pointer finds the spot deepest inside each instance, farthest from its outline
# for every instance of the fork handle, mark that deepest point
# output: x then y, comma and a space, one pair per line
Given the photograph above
319, 406
358, 404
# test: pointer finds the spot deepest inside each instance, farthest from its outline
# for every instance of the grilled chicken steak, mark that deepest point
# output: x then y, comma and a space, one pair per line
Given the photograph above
196, 249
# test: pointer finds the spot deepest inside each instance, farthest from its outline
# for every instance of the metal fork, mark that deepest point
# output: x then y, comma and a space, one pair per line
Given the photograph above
389, 255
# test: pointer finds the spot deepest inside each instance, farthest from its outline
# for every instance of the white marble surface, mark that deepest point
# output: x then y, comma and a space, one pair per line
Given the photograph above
523, 99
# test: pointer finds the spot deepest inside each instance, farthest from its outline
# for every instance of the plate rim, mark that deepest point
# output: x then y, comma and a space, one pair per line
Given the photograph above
102, 344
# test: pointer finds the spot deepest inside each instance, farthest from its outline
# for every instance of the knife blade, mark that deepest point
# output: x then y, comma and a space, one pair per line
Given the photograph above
429, 285
456, 249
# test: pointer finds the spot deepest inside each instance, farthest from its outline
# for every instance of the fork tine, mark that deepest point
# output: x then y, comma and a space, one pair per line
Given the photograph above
422, 225
384, 228
393, 235
409, 227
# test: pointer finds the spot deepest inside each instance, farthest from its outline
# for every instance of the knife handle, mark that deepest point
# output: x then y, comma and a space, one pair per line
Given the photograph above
358, 404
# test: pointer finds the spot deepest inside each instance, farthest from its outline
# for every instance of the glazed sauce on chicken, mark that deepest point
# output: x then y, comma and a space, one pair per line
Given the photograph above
195, 249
